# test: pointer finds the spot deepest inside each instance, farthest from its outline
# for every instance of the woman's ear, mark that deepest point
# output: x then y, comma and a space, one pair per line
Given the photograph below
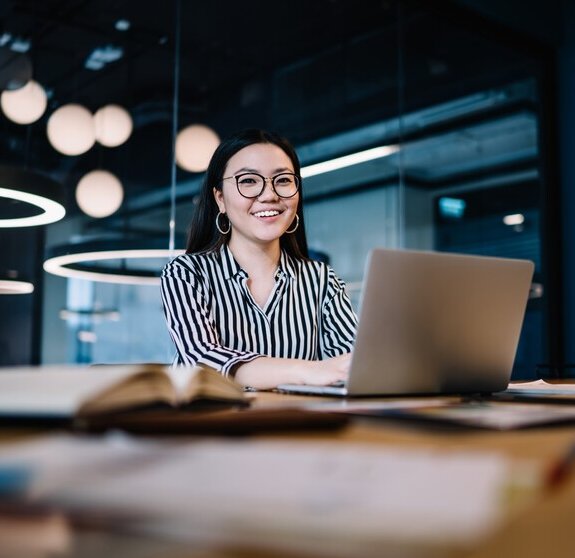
219, 197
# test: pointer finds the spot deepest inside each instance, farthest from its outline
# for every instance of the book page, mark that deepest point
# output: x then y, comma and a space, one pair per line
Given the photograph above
57, 390
203, 382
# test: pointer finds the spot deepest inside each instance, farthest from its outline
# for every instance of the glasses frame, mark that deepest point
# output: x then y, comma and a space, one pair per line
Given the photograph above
265, 179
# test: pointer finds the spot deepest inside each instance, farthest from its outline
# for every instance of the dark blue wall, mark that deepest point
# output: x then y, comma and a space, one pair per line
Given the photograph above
20, 315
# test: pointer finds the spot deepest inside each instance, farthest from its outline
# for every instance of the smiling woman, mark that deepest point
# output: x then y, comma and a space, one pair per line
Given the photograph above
257, 213
245, 299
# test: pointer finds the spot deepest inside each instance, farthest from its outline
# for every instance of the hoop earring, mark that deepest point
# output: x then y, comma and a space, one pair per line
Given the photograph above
296, 225
218, 226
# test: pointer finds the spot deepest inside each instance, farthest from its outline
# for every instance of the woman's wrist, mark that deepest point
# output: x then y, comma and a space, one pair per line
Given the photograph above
267, 372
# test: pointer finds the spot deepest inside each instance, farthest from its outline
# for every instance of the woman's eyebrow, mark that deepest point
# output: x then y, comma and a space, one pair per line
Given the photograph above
275, 171
246, 169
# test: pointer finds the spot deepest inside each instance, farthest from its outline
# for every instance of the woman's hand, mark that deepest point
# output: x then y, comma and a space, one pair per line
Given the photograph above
328, 371
267, 373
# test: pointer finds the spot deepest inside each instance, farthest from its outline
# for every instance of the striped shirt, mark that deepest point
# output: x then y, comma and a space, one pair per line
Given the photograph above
214, 320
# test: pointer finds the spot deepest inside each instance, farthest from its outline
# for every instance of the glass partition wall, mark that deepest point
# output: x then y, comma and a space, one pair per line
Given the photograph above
456, 103
472, 168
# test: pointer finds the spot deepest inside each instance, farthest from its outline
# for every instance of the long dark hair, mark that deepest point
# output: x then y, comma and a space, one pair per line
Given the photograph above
203, 235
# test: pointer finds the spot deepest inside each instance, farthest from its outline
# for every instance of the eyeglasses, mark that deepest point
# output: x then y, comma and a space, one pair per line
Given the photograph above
252, 184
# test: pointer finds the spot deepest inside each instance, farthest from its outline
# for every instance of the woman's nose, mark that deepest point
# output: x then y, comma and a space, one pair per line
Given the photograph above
269, 191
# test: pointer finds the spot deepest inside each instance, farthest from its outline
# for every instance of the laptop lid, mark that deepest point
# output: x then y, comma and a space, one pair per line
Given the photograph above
435, 323
438, 323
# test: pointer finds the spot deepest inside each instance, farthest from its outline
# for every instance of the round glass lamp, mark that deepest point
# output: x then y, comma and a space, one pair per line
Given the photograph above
24, 105
113, 125
99, 193
71, 129
195, 146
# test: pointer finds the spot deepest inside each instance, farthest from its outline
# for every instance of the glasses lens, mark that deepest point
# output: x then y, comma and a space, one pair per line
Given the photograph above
250, 185
286, 185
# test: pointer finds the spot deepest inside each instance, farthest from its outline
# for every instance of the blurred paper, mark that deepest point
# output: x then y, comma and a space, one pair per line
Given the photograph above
542, 385
321, 497
538, 391
51, 463
496, 415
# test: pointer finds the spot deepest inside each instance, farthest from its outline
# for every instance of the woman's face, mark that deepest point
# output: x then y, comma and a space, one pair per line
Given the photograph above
263, 219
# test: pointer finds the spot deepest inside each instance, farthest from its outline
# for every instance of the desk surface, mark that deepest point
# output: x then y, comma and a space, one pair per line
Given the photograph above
544, 527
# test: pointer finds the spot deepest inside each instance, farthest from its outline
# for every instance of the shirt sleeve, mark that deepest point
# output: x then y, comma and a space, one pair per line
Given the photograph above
191, 327
339, 321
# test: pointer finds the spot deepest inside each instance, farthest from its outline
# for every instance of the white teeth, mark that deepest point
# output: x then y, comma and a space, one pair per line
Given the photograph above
266, 213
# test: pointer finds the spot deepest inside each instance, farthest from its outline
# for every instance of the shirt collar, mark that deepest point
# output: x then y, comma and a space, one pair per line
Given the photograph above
232, 268
229, 264
286, 265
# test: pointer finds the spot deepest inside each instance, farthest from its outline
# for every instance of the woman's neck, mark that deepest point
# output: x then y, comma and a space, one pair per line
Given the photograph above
256, 259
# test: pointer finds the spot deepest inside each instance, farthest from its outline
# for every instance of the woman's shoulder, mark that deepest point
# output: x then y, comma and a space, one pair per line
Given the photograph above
309, 266
193, 263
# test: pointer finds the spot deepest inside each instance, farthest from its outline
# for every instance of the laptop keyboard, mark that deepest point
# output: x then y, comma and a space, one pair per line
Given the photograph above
339, 383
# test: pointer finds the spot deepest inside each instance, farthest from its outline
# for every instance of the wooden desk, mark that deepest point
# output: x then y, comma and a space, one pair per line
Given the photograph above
543, 528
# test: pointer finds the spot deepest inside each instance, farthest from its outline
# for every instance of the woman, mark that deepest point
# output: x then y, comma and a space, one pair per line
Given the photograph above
245, 299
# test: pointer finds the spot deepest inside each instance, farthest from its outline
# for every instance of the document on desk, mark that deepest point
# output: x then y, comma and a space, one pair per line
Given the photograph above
539, 390
494, 415
319, 497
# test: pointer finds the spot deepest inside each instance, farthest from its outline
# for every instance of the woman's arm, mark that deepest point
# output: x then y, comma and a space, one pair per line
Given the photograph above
190, 324
267, 373
338, 319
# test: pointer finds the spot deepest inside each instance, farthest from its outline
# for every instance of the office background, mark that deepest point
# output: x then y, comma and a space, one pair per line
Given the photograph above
474, 97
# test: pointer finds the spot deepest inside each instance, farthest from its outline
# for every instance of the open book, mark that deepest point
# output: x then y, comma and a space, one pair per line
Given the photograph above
68, 392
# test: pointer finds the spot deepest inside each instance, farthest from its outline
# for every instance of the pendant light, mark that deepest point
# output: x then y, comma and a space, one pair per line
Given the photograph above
113, 125
99, 193
106, 260
110, 260
71, 129
12, 280
24, 105
38, 199
195, 146
10, 286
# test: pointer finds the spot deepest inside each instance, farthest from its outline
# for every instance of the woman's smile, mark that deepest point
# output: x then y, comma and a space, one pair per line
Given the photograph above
268, 214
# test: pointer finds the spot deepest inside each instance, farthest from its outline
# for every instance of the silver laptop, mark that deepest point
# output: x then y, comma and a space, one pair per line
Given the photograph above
435, 323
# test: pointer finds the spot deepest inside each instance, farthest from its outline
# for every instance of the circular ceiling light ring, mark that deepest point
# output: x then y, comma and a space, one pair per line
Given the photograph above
74, 260
34, 189
97, 315
11, 286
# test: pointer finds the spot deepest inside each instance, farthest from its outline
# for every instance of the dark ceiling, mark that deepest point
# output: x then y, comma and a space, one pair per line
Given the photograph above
308, 69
